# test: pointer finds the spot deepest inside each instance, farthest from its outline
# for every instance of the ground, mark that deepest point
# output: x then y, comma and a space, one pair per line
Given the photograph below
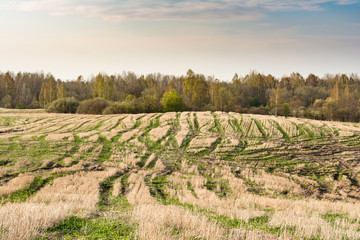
189, 175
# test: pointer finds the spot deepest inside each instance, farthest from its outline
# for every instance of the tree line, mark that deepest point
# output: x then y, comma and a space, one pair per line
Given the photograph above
332, 97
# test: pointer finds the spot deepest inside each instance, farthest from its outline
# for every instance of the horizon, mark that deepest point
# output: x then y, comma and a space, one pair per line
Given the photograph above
216, 38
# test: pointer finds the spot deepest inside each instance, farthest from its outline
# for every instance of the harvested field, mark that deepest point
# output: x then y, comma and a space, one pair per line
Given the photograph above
190, 175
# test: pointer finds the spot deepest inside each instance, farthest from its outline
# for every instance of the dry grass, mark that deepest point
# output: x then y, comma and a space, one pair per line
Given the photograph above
158, 222
138, 191
68, 195
21, 221
310, 225
16, 183
273, 182
158, 133
251, 188
80, 190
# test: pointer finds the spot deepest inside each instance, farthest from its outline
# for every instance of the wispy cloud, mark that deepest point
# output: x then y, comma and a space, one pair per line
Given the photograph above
159, 10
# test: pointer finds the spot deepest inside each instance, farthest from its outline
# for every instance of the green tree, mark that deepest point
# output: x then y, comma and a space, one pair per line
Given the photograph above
200, 95
109, 87
172, 101
188, 85
103, 87
48, 91
62, 93
99, 86
8, 90
149, 101
220, 96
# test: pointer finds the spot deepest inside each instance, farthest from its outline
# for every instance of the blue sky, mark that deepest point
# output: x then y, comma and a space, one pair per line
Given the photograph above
214, 37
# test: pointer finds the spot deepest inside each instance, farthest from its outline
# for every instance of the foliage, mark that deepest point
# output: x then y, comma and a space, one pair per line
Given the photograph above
63, 105
48, 91
333, 97
172, 101
93, 106
62, 93
120, 107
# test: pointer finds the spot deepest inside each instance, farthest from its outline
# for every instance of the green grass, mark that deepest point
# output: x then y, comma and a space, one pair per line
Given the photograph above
333, 217
157, 187
143, 160
152, 163
237, 126
117, 124
98, 125
7, 121
106, 152
248, 130
106, 188
283, 132
88, 228
124, 183
196, 123
260, 127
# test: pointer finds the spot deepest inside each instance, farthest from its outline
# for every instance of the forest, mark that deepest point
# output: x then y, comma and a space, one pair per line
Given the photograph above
331, 97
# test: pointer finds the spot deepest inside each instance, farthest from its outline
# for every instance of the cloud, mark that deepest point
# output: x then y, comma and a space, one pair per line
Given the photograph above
165, 10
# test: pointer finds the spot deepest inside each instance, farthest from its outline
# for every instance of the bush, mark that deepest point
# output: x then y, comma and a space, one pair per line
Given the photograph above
120, 107
93, 106
172, 101
34, 105
63, 105
20, 106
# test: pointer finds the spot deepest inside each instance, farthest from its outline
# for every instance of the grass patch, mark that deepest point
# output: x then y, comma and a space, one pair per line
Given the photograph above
196, 123
105, 153
7, 121
152, 163
86, 228
283, 132
106, 188
260, 127
117, 124
124, 183
157, 187
98, 125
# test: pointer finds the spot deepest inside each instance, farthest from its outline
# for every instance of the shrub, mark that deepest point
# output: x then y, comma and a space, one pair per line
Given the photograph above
34, 105
93, 106
20, 106
148, 102
120, 107
63, 105
172, 101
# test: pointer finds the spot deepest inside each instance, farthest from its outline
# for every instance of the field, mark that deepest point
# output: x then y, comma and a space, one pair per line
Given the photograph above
189, 175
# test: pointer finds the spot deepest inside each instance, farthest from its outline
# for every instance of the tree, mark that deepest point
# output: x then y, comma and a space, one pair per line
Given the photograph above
109, 87
48, 91
62, 93
149, 101
221, 97
172, 101
276, 99
335, 93
188, 85
200, 93
8, 90
99, 86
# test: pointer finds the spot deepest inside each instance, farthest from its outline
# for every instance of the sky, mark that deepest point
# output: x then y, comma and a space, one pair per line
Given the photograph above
217, 38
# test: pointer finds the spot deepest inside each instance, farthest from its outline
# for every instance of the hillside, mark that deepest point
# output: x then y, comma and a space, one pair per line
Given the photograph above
189, 175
